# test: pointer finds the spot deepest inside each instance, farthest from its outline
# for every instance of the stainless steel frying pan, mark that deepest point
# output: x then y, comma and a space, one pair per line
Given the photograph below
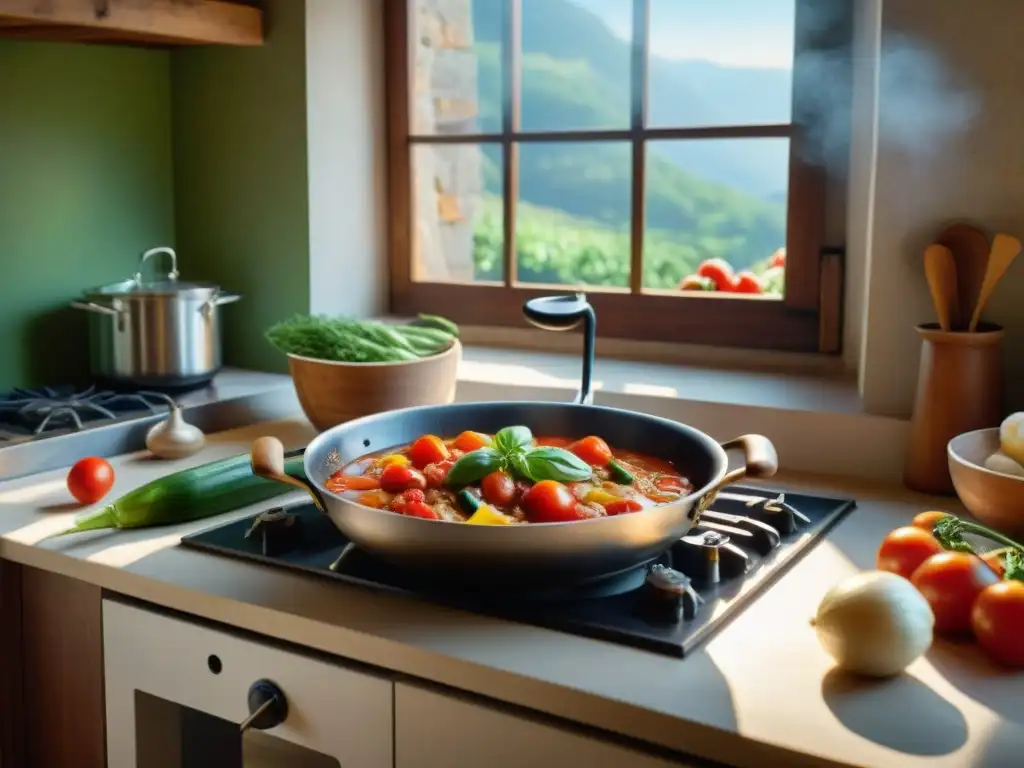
530, 554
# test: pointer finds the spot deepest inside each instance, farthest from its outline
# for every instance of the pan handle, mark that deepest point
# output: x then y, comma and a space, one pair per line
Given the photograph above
267, 460
760, 461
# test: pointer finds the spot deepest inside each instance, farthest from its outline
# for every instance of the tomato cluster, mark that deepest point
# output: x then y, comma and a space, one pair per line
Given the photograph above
968, 593
718, 275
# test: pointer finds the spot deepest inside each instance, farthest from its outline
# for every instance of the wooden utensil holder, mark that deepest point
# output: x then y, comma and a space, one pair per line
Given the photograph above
959, 389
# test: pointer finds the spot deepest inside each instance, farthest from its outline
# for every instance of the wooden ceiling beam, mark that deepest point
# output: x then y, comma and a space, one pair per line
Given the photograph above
165, 22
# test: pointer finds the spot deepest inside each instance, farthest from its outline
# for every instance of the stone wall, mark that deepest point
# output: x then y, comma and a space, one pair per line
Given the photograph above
448, 178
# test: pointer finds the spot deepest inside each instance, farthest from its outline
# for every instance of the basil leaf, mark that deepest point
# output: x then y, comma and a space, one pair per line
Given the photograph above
473, 466
518, 462
510, 439
549, 463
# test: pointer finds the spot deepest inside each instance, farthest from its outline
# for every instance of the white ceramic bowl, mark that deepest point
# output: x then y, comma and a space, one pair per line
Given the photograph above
997, 500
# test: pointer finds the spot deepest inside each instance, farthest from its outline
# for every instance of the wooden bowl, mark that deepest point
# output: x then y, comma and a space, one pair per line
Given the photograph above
997, 500
331, 393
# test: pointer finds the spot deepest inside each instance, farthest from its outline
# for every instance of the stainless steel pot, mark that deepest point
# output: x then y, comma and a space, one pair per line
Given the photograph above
535, 554
155, 333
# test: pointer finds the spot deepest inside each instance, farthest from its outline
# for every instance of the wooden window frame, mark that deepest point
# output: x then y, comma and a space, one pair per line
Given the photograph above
807, 319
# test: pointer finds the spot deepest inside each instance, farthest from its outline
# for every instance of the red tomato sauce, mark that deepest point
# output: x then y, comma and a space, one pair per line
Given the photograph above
511, 478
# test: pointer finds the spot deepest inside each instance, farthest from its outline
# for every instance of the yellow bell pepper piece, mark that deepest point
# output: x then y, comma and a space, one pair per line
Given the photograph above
394, 458
487, 515
597, 496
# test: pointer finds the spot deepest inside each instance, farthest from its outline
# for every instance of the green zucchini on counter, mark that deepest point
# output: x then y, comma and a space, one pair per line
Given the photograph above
190, 494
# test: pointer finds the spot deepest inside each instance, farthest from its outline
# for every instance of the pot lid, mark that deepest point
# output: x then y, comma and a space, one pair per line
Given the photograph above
130, 288
166, 284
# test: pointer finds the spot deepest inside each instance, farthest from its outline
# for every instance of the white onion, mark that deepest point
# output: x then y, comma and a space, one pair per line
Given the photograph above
875, 623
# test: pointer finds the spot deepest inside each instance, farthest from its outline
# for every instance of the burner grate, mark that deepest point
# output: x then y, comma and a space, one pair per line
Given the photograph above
46, 409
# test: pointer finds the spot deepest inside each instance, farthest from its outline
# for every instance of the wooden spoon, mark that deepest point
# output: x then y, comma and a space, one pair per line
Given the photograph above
1004, 250
940, 271
970, 249
267, 460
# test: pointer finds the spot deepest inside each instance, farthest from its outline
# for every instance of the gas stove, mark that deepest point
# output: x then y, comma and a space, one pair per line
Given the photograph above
746, 540
34, 414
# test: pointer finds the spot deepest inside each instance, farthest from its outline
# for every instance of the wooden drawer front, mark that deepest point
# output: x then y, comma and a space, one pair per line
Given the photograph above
333, 710
432, 729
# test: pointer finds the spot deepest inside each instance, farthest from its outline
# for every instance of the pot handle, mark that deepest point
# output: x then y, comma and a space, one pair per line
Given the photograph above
89, 306
172, 275
760, 461
266, 457
218, 300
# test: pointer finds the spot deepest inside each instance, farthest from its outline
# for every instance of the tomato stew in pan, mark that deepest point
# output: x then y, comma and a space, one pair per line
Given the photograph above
509, 478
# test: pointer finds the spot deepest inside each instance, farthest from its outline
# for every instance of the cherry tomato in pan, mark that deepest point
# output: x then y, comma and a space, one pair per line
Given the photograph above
342, 483
951, 582
428, 449
419, 509
498, 489
592, 450
435, 474
718, 271
395, 479
996, 560
550, 502
90, 479
624, 506
997, 619
903, 550
469, 441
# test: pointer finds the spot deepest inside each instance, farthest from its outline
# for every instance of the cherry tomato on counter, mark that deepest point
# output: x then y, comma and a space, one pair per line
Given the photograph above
550, 502
428, 449
903, 550
926, 520
396, 478
747, 282
997, 619
498, 489
592, 450
90, 479
719, 272
951, 582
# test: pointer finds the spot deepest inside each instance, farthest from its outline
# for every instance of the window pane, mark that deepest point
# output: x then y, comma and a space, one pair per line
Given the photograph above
572, 220
726, 62
694, 215
457, 210
575, 64
456, 74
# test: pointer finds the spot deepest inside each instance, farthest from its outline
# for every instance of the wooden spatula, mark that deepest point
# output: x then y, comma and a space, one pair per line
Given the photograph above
1004, 250
940, 271
970, 249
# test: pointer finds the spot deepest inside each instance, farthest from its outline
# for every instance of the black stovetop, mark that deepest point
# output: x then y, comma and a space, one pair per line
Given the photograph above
745, 541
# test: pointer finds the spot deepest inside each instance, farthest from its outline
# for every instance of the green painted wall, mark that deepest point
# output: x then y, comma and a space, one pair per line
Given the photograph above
241, 193
85, 187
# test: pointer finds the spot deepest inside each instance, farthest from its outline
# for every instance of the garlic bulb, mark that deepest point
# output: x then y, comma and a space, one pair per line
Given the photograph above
874, 623
174, 438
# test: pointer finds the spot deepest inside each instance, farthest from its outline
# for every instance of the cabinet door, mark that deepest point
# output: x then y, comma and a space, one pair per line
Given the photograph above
432, 729
176, 692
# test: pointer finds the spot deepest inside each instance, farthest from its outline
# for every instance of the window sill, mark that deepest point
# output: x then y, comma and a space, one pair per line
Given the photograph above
815, 417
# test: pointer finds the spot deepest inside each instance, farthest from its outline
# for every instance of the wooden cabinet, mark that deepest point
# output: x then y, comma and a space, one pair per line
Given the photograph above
434, 729
174, 686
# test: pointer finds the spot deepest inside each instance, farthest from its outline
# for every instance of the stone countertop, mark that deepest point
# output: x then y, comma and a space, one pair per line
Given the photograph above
760, 693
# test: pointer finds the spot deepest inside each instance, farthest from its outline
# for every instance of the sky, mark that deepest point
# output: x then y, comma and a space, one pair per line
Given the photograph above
742, 33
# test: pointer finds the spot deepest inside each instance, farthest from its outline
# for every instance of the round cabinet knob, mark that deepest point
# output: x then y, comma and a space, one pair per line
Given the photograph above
268, 707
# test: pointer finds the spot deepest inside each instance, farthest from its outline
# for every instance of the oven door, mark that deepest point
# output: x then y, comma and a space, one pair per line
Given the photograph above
181, 694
